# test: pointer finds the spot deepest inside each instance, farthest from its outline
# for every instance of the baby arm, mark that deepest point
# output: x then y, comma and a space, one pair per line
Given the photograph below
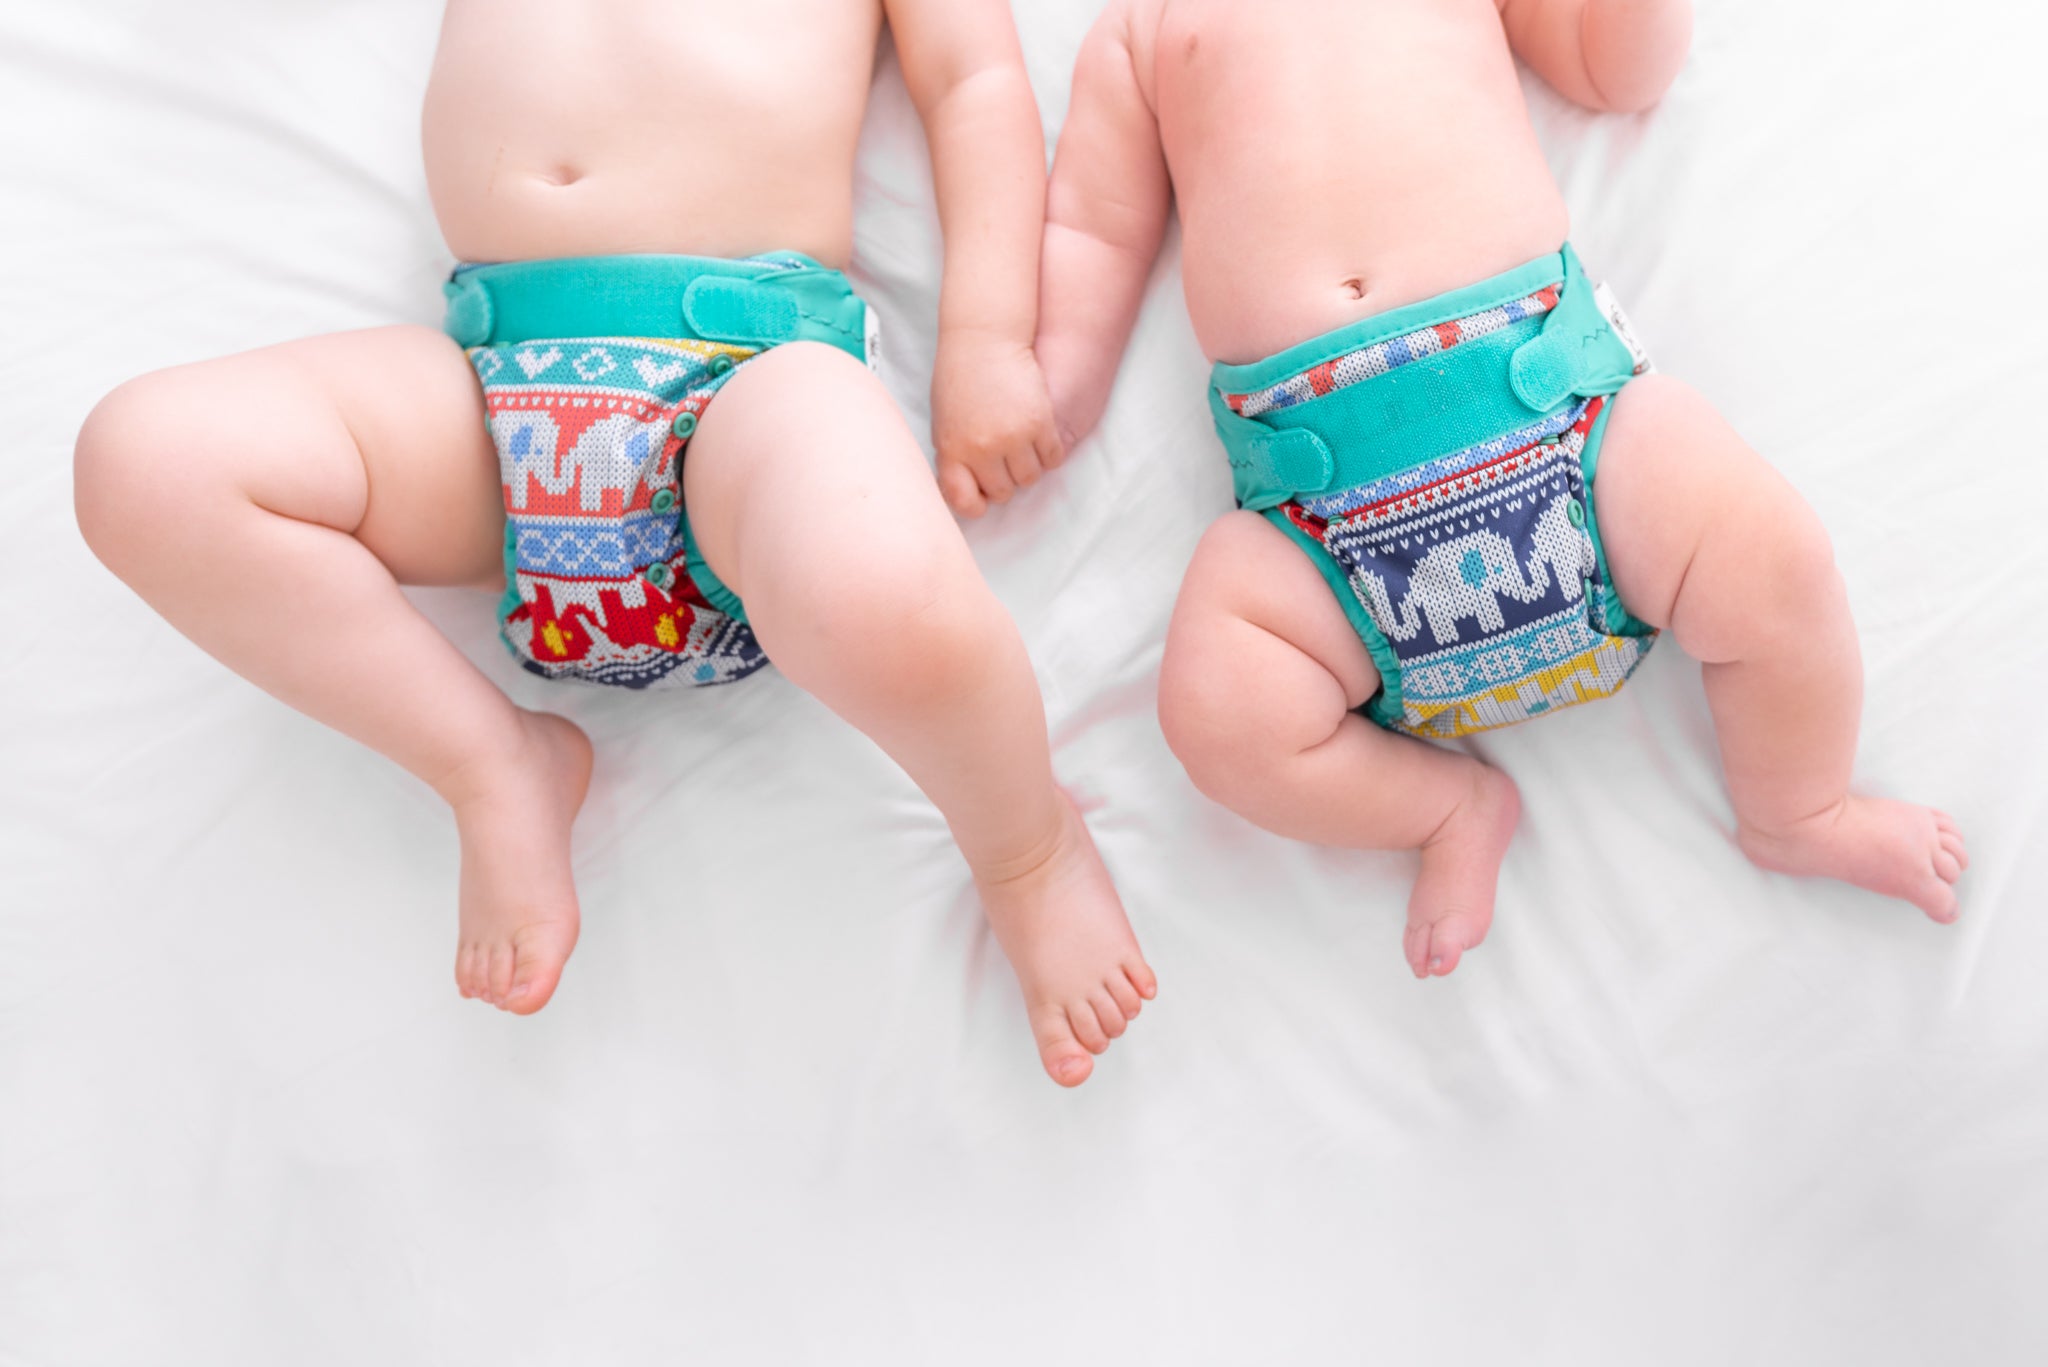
1618, 55
991, 419
1106, 215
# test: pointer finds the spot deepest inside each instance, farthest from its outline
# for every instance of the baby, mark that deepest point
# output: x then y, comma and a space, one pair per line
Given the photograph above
1459, 507
654, 430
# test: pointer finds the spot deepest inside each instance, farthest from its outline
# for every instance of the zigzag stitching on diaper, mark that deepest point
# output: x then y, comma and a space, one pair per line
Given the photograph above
784, 263
846, 332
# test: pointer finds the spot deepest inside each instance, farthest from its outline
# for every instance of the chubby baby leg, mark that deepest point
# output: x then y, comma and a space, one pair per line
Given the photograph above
269, 506
1256, 696
1706, 538
810, 499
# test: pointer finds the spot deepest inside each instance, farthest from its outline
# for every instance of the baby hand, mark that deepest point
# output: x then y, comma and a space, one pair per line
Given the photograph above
992, 420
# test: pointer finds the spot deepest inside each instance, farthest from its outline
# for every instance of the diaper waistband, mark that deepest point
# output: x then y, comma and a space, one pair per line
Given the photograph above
1424, 406
760, 302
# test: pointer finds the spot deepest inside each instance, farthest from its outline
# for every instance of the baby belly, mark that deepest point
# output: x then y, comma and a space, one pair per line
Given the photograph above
678, 126
602, 207
1258, 285
1335, 162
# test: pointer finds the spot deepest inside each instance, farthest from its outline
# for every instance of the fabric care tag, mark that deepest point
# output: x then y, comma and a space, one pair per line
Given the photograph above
874, 339
1610, 307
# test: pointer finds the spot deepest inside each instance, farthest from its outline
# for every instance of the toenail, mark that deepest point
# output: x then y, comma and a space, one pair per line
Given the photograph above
1436, 963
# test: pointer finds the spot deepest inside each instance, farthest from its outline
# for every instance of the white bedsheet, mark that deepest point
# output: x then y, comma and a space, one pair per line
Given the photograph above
785, 1108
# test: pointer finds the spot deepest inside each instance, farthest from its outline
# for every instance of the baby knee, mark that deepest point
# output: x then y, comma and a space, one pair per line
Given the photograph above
1204, 728
917, 627
1804, 558
1803, 586
1774, 598
111, 468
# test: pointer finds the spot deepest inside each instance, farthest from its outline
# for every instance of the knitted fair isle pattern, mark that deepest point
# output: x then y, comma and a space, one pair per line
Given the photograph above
1479, 568
590, 436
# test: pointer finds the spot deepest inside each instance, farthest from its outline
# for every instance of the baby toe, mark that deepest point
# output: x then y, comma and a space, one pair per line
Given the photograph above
1140, 975
1946, 866
1446, 948
1415, 948
1064, 1061
540, 953
498, 980
1088, 1030
532, 986
1126, 997
1938, 899
1108, 1014
1952, 842
480, 973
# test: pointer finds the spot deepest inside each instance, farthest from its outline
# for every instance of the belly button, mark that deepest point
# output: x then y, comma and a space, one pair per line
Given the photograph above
562, 175
1355, 287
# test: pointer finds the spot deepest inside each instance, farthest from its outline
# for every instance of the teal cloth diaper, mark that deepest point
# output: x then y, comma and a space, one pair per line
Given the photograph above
1437, 462
595, 373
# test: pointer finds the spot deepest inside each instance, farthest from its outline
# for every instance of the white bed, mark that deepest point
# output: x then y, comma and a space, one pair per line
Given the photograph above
785, 1108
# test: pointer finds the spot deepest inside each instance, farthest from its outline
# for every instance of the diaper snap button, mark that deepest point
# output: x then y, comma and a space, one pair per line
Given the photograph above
684, 425
664, 499
721, 364
659, 575
1576, 513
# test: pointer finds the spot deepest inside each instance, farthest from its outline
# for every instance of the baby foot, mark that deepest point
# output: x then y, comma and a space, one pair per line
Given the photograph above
1451, 908
1061, 924
519, 915
1912, 853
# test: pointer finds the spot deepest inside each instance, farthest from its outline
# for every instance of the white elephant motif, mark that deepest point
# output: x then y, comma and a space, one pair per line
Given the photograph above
526, 442
1563, 549
611, 454
1463, 577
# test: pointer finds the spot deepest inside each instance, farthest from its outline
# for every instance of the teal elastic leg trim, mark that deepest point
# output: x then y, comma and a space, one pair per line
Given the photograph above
1617, 619
1385, 707
708, 583
509, 604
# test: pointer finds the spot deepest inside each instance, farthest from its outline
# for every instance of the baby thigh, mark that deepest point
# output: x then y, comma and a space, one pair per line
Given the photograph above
810, 498
269, 505
1257, 697
1703, 537
378, 434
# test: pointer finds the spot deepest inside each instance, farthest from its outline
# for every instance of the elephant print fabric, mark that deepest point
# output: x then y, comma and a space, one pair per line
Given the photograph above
590, 436
1482, 575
